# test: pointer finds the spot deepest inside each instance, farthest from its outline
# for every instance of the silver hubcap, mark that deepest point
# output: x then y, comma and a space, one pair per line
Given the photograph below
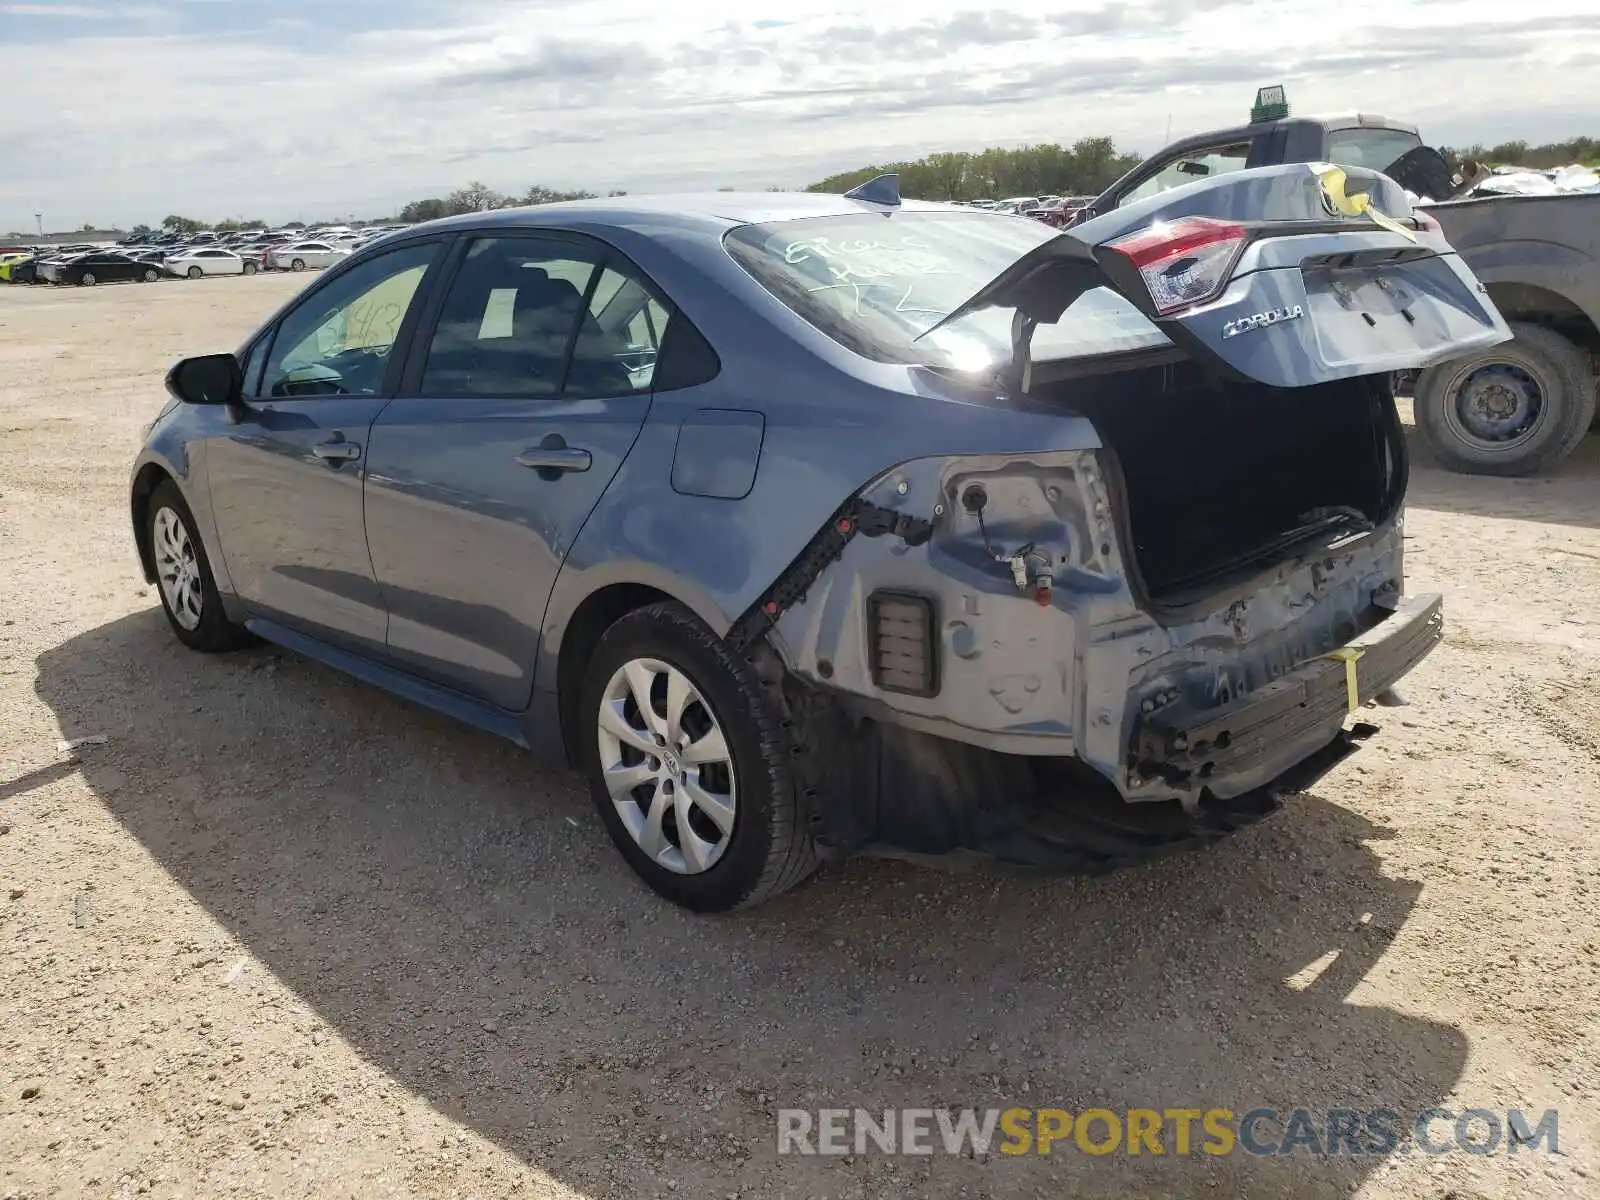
667, 766
177, 569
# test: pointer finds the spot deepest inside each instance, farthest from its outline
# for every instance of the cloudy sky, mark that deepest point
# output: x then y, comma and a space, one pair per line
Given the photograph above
122, 112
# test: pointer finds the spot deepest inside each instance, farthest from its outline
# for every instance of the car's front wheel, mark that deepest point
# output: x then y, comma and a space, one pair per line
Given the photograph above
189, 594
150, 275
249, 268
195, 272
689, 764
87, 279
298, 264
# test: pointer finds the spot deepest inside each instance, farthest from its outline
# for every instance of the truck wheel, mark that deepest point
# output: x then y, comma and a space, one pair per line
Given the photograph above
690, 764
1511, 410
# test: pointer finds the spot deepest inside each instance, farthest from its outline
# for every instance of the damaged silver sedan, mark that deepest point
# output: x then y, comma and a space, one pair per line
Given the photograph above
815, 525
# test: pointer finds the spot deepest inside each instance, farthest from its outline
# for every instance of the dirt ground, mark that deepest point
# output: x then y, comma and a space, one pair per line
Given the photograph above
280, 934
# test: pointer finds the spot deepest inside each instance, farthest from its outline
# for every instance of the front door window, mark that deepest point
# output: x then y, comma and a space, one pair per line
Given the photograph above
340, 341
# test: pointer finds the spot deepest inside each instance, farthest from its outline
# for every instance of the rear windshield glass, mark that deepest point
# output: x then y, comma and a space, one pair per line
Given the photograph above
1375, 149
876, 282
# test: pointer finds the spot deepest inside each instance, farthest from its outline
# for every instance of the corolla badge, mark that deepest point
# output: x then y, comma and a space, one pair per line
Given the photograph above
1260, 320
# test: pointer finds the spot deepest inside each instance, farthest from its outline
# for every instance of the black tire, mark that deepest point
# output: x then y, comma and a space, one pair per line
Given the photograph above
195, 272
250, 268
298, 264
214, 634
770, 848
87, 279
150, 275
1565, 377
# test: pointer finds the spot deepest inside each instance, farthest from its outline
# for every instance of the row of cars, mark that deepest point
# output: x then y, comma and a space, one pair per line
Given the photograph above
1056, 211
88, 266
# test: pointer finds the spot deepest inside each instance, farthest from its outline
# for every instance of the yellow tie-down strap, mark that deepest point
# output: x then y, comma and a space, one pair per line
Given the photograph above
1352, 691
1333, 181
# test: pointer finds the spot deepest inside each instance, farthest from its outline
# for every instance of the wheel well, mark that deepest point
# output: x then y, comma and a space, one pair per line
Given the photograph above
1540, 306
588, 625
145, 483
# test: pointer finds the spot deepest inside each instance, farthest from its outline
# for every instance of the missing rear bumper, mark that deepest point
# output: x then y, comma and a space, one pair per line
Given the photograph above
1265, 730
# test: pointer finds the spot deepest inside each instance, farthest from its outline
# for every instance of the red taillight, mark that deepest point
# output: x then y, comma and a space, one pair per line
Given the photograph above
1183, 262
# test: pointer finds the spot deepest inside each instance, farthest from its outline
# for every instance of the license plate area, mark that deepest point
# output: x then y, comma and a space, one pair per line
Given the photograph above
1373, 312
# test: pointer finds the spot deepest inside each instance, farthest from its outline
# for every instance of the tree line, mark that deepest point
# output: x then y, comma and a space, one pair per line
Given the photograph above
1520, 154
1085, 168
479, 197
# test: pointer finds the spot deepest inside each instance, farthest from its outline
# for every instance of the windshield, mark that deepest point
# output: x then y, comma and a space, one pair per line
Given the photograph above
876, 282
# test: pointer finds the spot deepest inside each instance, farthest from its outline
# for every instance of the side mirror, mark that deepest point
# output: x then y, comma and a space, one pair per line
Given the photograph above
206, 379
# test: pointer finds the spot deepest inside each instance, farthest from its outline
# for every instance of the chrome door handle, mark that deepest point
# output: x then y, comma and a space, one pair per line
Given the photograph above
555, 458
336, 451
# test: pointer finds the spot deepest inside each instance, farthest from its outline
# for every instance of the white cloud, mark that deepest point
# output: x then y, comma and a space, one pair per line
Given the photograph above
291, 109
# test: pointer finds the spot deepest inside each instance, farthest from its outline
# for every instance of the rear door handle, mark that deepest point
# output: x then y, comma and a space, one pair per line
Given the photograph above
555, 459
336, 451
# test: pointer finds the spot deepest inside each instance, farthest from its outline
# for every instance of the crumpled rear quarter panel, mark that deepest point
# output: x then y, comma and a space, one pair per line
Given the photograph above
1069, 678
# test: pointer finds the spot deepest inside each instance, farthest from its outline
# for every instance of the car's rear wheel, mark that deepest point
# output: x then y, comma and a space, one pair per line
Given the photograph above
298, 264
195, 272
150, 275
689, 764
249, 268
1510, 410
87, 279
188, 589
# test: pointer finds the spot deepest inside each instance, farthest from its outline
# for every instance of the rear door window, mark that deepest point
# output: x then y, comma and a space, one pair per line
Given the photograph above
539, 316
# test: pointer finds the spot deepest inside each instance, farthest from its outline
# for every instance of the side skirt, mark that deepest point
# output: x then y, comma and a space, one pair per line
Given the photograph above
536, 730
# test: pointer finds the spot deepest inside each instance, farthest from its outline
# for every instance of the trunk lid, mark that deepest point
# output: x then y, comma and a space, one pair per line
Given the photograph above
1290, 276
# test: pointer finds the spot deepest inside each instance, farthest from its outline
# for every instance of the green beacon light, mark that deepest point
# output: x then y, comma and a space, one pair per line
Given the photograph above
1271, 104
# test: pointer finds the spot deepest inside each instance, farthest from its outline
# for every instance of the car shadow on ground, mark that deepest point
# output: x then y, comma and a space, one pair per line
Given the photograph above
451, 908
1565, 494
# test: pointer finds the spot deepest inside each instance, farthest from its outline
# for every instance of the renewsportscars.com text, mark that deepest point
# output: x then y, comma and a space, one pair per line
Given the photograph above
1164, 1131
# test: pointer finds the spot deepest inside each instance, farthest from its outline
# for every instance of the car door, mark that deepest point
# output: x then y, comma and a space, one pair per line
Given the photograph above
102, 266
286, 477
530, 388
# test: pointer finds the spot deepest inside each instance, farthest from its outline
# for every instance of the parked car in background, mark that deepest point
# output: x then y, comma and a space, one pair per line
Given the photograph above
197, 262
297, 256
255, 251
1060, 212
1509, 409
10, 261
105, 266
494, 465
50, 264
26, 271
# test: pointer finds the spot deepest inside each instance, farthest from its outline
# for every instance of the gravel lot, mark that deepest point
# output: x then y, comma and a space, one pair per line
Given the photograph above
283, 935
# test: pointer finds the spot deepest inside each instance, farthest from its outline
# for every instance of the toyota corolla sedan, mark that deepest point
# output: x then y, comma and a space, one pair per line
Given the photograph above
812, 525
